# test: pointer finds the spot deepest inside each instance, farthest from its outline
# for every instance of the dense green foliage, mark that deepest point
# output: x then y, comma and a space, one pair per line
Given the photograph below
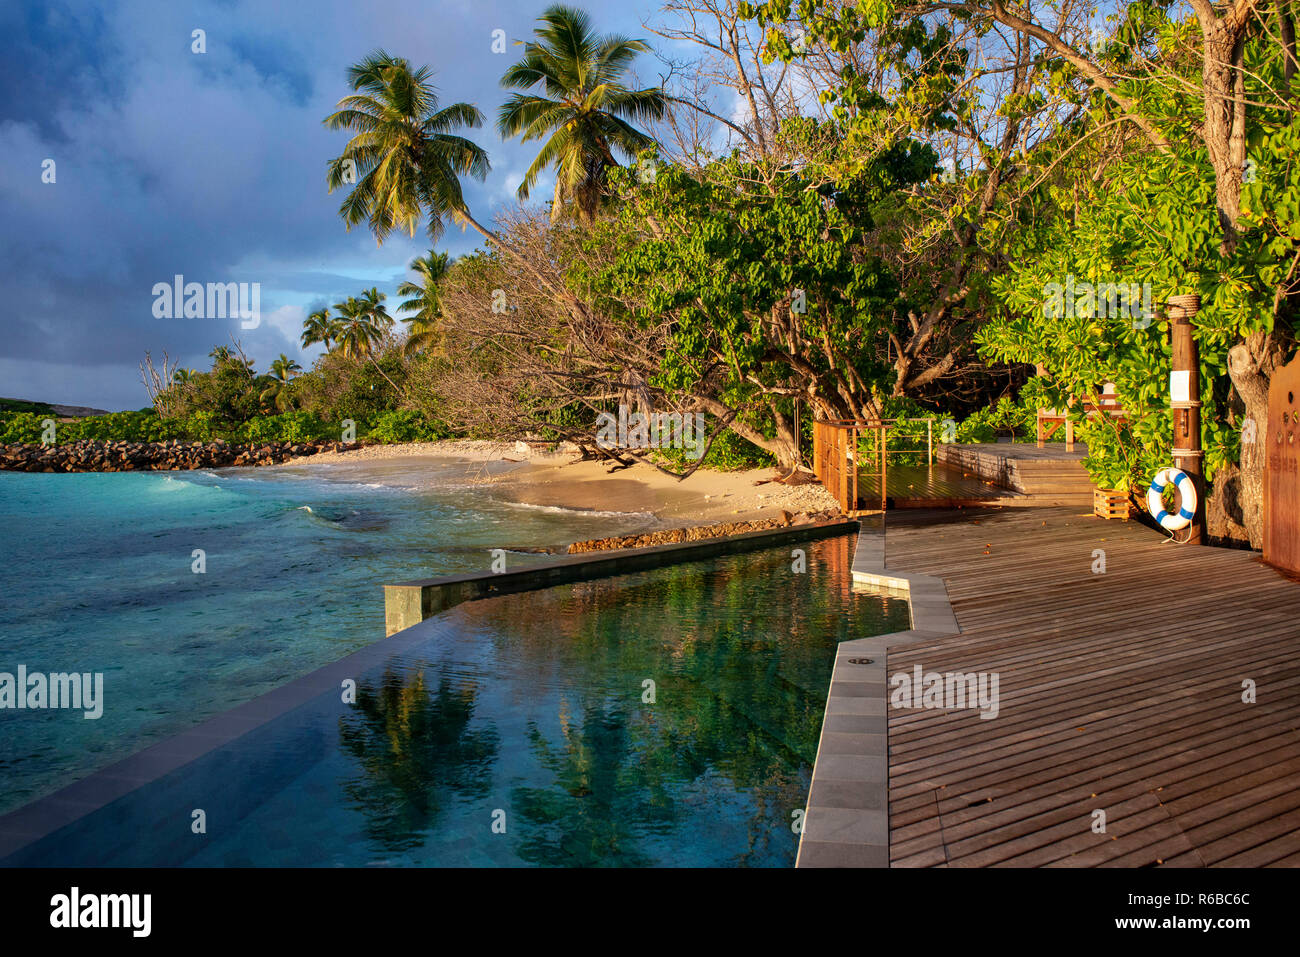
392, 425
749, 264
21, 405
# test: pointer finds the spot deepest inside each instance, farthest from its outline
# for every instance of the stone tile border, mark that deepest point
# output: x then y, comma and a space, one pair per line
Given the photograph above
42, 817
846, 820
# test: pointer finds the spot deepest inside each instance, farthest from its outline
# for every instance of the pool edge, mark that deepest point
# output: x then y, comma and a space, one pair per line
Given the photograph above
847, 812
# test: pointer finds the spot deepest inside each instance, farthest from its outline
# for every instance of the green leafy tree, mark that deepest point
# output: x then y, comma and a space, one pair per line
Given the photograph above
768, 290
1147, 139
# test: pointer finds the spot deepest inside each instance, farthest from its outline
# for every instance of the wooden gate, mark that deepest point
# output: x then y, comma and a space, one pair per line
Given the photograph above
1282, 470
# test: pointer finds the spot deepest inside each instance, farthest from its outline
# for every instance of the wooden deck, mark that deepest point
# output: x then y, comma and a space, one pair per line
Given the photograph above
1042, 476
935, 486
972, 476
1119, 692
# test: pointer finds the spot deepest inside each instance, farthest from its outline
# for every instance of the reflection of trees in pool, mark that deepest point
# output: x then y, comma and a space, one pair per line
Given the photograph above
415, 752
620, 778
600, 800
741, 662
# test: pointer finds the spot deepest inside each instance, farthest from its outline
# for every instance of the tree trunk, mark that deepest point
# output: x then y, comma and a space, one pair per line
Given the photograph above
1223, 93
784, 446
1235, 510
1240, 494
396, 388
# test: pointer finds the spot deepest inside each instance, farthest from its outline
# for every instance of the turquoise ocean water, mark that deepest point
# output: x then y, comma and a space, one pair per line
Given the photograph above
96, 575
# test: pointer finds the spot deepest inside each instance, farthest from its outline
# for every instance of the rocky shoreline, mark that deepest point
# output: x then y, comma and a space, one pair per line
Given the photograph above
95, 456
673, 536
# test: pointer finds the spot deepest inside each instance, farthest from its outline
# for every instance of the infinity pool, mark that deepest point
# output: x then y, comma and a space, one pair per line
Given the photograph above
661, 718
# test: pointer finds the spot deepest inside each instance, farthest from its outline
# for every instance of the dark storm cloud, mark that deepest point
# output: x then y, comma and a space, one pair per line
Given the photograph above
206, 165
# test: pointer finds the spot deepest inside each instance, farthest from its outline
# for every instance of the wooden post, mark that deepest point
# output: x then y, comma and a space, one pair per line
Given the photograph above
884, 467
854, 433
817, 449
1185, 392
1040, 369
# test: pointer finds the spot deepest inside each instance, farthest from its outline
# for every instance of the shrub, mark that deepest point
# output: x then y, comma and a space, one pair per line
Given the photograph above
123, 427
144, 426
295, 427
403, 425
21, 426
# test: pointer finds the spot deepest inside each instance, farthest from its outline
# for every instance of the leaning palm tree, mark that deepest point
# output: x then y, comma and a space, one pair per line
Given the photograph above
404, 160
583, 109
320, 327
424, 301
363, 322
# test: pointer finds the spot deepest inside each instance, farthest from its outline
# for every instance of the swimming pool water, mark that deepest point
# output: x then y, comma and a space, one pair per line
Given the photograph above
668, 717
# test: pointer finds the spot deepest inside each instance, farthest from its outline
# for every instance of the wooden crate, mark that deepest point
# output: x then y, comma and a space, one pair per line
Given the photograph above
1107, 503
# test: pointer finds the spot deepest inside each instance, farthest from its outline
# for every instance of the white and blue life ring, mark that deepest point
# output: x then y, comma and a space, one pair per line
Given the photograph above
1172, 521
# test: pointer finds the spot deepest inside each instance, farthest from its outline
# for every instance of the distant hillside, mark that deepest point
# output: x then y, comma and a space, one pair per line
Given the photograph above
63, 411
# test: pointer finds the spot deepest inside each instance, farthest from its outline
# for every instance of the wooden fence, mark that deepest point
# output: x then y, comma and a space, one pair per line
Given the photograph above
840, 457
834, 454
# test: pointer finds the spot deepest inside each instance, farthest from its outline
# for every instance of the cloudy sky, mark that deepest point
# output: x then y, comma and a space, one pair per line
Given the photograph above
211, 166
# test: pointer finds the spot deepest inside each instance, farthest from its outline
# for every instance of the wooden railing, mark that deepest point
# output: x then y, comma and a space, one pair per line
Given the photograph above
834, 453
838, 459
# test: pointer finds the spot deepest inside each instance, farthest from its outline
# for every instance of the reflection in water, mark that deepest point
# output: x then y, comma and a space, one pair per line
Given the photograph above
541, 709
600, 798
415, 752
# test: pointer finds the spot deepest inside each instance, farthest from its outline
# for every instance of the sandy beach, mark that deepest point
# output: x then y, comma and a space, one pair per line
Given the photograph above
520, 474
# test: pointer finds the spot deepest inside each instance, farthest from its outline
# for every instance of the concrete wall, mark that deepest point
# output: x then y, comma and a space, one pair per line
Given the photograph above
409, 603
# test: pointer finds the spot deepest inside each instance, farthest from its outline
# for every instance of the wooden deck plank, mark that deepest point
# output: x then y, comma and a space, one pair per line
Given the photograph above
1111, 696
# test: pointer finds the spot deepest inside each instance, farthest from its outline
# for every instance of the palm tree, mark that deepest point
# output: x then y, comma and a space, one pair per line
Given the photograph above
425, 301
226, 357
582, 110
320, 327
404, 158
362, 325
282, 371
356, 334
285, 368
